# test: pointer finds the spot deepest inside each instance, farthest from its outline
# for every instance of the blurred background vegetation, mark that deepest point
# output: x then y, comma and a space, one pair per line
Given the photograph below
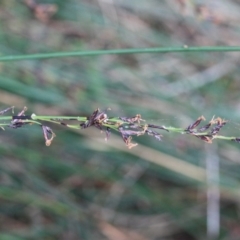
85, 188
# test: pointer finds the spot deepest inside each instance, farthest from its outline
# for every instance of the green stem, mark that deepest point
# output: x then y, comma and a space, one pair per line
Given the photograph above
120, 51
53, 119
224, 137
4, 124
112, 123
5, 118
36, 117
173, 129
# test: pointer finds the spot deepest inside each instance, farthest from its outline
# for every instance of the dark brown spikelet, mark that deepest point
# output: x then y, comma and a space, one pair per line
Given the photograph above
48, 135
206, 127
219, 124
137, 119
129, 132
207, 139
95, 119
18, 122
128, 140
155, 134
158, 127
237, 139
195, 124
91, 119
6, 110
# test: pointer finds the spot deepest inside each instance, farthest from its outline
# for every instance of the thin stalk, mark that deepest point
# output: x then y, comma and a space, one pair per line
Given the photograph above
5, 118
33, 116
120, 51
128, 127
173, 129
224, 137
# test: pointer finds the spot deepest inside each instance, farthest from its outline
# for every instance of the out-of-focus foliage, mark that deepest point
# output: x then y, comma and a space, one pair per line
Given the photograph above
83, 187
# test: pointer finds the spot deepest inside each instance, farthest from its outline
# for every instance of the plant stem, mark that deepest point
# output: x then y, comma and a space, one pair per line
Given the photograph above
120, 51
126, 126
58, 117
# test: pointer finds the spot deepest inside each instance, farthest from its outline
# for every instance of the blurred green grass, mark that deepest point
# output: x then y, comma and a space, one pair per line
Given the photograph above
83, 187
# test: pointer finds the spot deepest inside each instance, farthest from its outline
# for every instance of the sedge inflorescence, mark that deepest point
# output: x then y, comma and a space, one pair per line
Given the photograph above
126, 126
